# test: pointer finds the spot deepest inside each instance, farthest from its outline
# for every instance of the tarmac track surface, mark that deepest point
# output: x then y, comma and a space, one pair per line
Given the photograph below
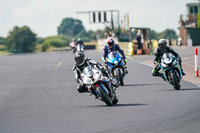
38, 95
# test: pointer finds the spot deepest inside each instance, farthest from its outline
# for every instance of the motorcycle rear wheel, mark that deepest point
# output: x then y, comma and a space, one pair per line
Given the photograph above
120, 78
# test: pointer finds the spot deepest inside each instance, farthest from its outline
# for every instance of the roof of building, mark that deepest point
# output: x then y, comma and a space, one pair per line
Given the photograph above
193, 4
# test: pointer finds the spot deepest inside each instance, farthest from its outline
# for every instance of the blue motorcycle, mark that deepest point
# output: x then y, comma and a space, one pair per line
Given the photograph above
116, 66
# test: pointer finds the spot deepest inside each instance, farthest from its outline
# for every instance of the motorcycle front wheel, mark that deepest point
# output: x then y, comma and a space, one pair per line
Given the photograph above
104, 96
175, 81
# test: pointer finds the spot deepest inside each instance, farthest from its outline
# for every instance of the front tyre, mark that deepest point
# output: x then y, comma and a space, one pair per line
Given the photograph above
115, 101
175, 81
104, 96
120, 78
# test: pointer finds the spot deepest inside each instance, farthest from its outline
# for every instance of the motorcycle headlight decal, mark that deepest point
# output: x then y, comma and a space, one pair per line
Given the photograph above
164, 65
97, 76
116, 62
89, 81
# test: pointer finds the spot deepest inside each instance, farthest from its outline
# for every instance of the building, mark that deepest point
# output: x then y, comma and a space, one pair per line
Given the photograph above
189, 24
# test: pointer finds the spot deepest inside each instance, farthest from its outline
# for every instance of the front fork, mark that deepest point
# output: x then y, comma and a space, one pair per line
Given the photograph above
96, 93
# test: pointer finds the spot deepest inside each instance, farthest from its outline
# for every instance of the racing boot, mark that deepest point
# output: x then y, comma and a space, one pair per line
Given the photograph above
125, 67
93, 93
183, 74
155, 73
162, 76
126, 71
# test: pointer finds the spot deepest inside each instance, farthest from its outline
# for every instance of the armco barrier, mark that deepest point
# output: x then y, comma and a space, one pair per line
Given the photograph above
89, 47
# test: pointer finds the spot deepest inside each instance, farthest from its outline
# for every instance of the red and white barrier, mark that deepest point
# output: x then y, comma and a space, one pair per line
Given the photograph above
196, 62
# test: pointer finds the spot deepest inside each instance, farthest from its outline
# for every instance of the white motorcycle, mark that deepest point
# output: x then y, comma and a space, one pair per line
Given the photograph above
79, 47
99, 85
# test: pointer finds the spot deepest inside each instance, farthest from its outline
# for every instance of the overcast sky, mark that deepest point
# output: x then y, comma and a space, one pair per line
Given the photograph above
44, 16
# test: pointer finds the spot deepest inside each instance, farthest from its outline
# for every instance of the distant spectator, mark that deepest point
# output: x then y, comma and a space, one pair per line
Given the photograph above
170, 42
179, 41
139, 43
105, 35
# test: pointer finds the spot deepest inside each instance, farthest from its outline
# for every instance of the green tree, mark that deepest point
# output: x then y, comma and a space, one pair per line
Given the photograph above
55, 41
92, 35
70, 27
154, 34
1, 40
39, 40
168, 34
21, 39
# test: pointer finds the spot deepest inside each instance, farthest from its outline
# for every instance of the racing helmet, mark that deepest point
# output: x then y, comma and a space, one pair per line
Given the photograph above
73, 40
162, 44
79, 58
110, 41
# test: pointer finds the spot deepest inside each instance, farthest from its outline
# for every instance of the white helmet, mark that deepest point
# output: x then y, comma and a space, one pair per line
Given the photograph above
162, 43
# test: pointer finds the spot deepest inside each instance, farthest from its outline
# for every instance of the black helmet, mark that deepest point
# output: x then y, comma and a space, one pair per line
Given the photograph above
79, 58
162, 44
79, 41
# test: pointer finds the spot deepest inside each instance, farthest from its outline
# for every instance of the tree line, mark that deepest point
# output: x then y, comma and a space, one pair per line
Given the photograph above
22, 39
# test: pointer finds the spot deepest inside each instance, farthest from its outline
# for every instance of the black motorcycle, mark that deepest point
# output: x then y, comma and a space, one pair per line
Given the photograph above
171, 70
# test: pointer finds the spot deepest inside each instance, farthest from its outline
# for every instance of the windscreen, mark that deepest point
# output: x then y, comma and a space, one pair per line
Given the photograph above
88, 71
167, 58
113, 54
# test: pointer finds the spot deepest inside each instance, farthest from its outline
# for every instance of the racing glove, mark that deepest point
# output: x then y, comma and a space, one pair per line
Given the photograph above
179, 59
124, 59
80, 82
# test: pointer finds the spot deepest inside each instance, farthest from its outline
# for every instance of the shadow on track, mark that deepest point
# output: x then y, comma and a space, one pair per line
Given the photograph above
188, 89
181, 89
143, 84
117, 105
128, 104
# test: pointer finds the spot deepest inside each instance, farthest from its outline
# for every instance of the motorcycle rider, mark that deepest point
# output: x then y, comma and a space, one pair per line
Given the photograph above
112, 46
73, 45
81, 63
79, 41
163, 48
